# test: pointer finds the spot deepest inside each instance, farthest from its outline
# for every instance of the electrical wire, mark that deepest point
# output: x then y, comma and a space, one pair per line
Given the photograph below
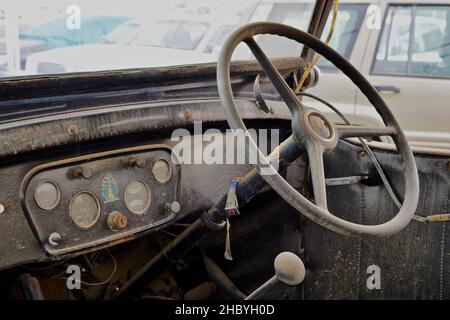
113, 272
307, 71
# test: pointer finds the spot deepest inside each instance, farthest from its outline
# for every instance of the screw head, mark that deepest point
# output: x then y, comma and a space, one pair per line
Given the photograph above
54, 239
72, 129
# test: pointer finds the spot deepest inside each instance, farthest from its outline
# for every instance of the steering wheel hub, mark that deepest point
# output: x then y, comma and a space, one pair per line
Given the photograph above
315, 127
320, 126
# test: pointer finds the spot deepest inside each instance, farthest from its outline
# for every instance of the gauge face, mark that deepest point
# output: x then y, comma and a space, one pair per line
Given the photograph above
47, 195
162, 170
137, 197
84, 209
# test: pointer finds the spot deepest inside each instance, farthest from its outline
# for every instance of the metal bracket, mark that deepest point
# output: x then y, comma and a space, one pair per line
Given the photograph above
260, 102
345, 180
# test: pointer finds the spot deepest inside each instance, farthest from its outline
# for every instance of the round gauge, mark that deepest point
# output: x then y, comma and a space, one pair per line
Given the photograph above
137, 197
84, 209
162, 170
47, 195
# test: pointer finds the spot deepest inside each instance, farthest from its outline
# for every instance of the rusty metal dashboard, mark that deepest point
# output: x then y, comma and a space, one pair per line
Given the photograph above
85, 201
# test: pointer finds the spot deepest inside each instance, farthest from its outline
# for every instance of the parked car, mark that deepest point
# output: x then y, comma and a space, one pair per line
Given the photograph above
176, 40
408, 61
56, 34
188, 38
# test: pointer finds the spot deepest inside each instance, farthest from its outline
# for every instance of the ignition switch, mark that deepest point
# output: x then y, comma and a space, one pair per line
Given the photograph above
117, 221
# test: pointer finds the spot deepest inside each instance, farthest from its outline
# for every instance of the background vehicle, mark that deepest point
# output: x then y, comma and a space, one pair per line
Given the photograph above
194, 36
26, 47
56, 34
407, 59
136, 44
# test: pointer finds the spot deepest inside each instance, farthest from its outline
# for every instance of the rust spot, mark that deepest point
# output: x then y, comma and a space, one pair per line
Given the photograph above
362, 154
187, 114
117, 221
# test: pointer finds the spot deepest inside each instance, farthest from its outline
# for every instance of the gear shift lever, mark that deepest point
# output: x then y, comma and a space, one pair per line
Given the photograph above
289, 269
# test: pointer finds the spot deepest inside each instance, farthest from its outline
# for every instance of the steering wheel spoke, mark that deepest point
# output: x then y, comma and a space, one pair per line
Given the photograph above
364, 132
315, 156
279, 83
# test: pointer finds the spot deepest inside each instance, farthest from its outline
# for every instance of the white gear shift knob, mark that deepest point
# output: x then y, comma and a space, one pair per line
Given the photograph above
289, 268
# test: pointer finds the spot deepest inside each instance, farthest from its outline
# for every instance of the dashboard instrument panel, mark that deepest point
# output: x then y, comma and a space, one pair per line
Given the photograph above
84, 202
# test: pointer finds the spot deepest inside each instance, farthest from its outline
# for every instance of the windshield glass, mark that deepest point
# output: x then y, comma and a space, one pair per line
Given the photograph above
56, 36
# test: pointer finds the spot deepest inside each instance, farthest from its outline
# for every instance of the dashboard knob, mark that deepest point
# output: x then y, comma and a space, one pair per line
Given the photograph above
80, 172
117, 221
137, 161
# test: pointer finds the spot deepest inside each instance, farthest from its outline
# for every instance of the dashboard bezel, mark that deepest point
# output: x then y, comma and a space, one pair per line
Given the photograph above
113, 236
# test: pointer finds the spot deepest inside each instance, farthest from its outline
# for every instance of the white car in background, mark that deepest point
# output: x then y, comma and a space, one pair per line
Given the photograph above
162, 49
135, 44
183, 38
407, 60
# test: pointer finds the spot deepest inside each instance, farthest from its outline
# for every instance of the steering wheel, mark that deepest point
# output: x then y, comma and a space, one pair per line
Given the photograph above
313, 132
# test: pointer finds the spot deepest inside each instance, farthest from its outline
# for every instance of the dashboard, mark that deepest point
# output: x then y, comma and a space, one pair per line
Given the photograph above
86, 160
85, 201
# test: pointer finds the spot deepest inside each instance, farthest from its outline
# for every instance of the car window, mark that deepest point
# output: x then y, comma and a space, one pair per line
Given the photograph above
415, 41
349, 21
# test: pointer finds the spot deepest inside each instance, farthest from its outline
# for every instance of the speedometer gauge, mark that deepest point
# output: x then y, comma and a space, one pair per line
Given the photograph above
84, 209
137, 197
